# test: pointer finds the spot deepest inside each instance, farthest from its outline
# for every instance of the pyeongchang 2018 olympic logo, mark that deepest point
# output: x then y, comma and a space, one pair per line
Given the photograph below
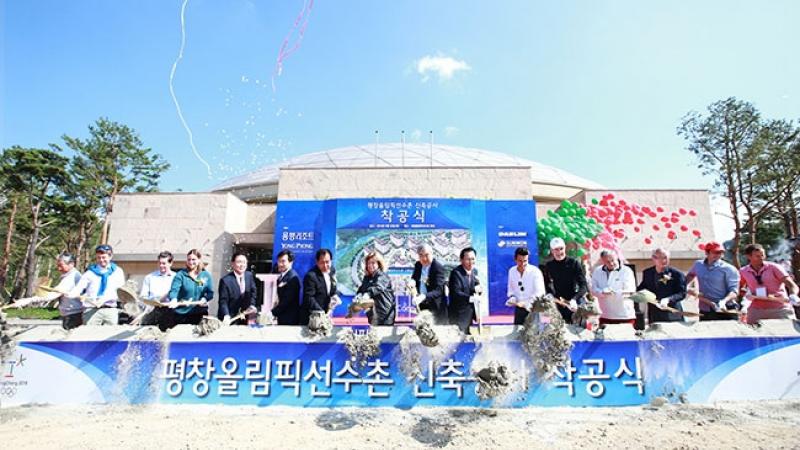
8, 383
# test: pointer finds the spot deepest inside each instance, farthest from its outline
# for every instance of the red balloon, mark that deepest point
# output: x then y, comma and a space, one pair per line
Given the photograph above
684, 228
667, 225
682, 211
637, 229
674, 219
652, 215
701, 247
610, 196
659, 209
640, 221
696, 233
646, 209
656, 228
665, 219
648, 241
692, 212
672, 235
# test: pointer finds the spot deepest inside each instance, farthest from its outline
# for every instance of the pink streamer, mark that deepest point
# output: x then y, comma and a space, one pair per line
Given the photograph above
300, 24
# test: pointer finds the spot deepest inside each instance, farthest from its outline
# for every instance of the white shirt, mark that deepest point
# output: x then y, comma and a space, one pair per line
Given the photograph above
69, 305
327, 277
156, 285
527, 285
89, 285
617, 304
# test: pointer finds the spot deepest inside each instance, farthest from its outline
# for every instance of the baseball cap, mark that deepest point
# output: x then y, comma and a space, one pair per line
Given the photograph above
713, 247
557, 243
103, 248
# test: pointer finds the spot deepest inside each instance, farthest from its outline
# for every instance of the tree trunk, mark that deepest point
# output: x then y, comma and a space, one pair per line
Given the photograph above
19, 278
107, 218
30, 267
7, 245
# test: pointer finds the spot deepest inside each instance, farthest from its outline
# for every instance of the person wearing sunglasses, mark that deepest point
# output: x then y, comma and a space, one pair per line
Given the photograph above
525, 283
771, 292
718, 284
98, 286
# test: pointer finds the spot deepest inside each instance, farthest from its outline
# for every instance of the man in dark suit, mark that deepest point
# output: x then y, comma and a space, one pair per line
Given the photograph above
463, 282
237, 291
669, 286
319, 287
287, 311
430, 278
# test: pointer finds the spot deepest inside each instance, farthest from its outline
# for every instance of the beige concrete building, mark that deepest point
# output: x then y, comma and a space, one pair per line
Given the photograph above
240, 212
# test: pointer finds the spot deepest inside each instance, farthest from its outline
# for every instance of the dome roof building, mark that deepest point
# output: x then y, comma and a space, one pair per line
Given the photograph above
547, 182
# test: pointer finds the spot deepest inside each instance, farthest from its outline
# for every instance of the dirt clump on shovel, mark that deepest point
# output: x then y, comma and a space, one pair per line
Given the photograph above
320, 325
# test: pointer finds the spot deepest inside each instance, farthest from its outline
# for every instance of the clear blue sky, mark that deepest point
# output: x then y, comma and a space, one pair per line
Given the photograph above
594, 87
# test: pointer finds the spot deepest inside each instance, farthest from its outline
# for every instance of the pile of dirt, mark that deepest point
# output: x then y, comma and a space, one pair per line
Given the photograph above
544, 338
361, 345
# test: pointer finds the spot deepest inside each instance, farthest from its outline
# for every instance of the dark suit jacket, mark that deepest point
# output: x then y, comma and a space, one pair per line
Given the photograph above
460, 311
231, 300
288, 309
434, 299
379, 288
673, 287
315, 295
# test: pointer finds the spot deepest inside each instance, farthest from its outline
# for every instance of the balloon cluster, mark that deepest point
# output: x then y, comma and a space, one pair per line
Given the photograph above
571, 223
607, 222
621, 218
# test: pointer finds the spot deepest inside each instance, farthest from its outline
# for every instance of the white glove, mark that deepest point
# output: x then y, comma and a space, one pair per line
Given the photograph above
226, 320
203, 302
664, 302
607, 290
418, 299
173, 303
512, 301
794, 300
573, 305
335, 301
474, 299
478, 289
717, 308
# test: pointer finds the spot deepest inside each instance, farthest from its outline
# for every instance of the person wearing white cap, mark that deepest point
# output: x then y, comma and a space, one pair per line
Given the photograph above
564, 278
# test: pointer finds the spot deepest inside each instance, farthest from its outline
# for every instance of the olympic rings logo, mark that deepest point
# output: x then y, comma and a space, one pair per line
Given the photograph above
8, 391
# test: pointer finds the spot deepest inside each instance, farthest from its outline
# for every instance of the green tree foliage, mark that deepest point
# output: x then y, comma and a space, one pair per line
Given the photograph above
37, 175
113, 160
754, 163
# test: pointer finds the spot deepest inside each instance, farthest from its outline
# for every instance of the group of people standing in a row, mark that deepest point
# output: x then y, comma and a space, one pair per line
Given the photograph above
770, 292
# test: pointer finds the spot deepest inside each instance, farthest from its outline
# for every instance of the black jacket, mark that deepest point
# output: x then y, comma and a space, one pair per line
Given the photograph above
459, 310
379, 288
435, 300
231, 300
316, 297
287, 312
565, 279
670, 284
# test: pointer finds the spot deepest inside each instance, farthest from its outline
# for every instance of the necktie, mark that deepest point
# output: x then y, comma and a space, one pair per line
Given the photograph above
241, 284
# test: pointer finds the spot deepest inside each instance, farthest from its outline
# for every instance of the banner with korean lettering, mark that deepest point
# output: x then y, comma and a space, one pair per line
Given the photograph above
395, 227
600, 373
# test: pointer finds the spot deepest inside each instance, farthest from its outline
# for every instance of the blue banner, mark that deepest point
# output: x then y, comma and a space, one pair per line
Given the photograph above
600, 373
395, 227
